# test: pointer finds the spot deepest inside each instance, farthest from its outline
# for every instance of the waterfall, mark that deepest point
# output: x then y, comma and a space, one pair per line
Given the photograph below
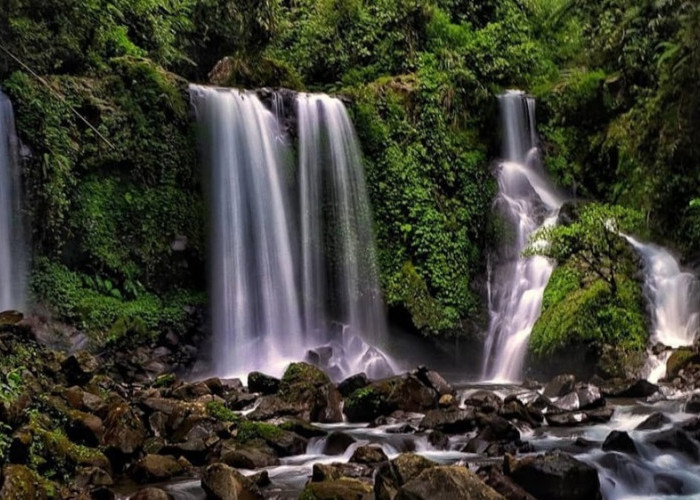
291, 276
528, 201
674, 301
338, 263
256, 321
12, 261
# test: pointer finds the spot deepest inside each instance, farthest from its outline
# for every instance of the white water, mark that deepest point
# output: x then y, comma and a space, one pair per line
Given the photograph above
276, 296
674, 301
529, 202
341, 285
254, 304
12, 262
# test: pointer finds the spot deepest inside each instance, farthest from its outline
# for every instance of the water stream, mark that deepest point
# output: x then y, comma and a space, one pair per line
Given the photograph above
528, 201
12, 251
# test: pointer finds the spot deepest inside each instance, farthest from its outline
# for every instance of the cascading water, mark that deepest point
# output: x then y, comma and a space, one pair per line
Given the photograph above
12, 262
527, 200
255, 309
341, 284
674, 300
274, 298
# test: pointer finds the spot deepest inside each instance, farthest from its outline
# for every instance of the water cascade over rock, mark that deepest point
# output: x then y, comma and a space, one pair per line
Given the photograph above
674, 301
12, 261
289, 277
528, 201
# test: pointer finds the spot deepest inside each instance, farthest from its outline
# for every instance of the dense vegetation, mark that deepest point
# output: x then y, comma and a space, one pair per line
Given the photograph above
118, 218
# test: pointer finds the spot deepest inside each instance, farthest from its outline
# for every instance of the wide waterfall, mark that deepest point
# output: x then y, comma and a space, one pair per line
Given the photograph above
291, 276
256, 320
12, 261
528, 201
674, 302
342, 284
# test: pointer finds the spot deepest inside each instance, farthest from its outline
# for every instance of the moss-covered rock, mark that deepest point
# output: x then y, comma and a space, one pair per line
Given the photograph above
307, 385
338, 489
679, 360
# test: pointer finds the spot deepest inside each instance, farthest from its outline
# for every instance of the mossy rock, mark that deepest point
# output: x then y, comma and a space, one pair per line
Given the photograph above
338, 489
307, 385
22, 483
366, 404
680, 359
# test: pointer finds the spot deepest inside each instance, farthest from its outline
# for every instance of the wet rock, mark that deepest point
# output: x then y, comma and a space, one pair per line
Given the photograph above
248, 456
484, 401
366, 404
654, 421
124, 430
407, 393
620, 441
264, 384
434, 380
306, 385
447, 401
493, 429
261, 479
514, 409
151, 494
447, 482
391, 476
84, 428
368, 454
676, 440
337, 443
330, 472
452, 421
353, 383
80, 367
338, 489
102, 493
679, 360
10, 317
633, 388
693, 404
559, 386
554, 476
154, 468
92, 476
275, 407
298, 426
570, 419
438, 440
583, 397
502, 484
221, 482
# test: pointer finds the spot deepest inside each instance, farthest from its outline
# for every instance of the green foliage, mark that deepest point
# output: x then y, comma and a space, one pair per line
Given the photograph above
249, 431
218, 410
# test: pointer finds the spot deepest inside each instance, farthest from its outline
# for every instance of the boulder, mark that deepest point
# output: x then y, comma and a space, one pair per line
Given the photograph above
434, 380
155, 468
353, 383
677, 440
329, 472
693, 404
124, 430
451, 421
368, 454
337, 443
21, 483
679, 360
484, 401
447, 482
84, 428
338, 489
438, 440
248, 456
366, 404
275, 407
221, 482
391, 476
151, 494
628, 388
654, 421
494, 477
574, 418
620, 441
264, 384
559, 386
80, 367
447, 401
583, 397
308, 386
88, 477
554, 476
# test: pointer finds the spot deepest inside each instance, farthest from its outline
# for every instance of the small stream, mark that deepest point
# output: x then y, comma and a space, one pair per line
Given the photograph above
651, 473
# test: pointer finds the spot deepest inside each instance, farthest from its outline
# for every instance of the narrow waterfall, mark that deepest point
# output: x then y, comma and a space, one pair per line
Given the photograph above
291, 276
528, 201
674, 302
338, 253
12, 261
254, 304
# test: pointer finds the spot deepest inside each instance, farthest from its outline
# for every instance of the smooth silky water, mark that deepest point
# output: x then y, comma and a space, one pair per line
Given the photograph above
528, 201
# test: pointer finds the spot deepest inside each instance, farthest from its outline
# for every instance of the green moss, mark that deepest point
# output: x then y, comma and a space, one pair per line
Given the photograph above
679, 360
366, 404
166, 380
577, 312
218, 410
249, 431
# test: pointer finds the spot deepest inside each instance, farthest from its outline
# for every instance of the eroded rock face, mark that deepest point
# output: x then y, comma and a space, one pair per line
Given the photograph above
555, 476
447, 482
222, 482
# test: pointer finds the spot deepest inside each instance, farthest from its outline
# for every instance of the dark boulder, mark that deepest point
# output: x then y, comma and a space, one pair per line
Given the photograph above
450, 421
155, 468
337, 443
338, 489
308, 386
434, 380
80, 367
368, 454
676, 440
634, 388
654, 421
391, 476
264, 384
151, 494
554, 476
559, 386
583, 397
447, 482
221, 482
620, 441
353, 383
693, 404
